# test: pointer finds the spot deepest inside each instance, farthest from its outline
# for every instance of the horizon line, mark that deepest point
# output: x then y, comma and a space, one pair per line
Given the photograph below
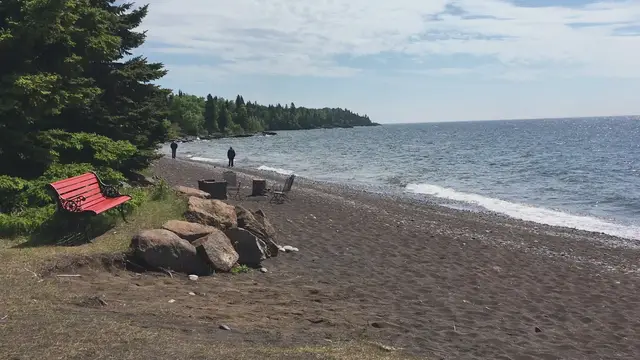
516, 119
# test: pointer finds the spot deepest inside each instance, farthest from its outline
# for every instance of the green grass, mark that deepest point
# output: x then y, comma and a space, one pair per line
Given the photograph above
161, 205
240, 269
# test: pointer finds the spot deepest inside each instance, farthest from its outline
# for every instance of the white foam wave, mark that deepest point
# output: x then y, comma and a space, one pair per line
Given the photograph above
275, 170
206, 160
528, 212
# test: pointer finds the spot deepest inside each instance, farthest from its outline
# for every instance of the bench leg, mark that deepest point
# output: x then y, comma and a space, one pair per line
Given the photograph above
87, 228
121, 210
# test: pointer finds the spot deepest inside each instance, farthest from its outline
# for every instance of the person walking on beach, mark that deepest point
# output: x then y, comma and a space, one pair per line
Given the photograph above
231, 154
174, 149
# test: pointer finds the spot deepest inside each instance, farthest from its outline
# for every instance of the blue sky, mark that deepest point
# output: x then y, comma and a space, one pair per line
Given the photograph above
406, 60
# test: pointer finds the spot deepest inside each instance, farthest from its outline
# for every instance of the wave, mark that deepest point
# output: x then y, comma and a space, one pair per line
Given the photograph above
205, 160
528, 212
275, 170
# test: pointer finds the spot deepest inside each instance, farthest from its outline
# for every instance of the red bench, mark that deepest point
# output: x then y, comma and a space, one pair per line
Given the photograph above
87, 194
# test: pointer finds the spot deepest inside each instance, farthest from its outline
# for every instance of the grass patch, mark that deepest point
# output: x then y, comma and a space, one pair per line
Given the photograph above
240, 269
160, 205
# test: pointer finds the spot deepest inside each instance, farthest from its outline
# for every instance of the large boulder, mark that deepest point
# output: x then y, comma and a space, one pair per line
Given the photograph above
192, 192
216, 250
251, 250
258, 224
161, 248
211, 212
188, 230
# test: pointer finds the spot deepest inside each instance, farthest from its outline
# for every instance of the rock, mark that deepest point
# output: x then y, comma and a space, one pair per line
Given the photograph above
259, 226
250, 249
193, 277
192, 192
171, 301
264, 270
255, 222
161, 248
289, 248
140, 179
192, 293
211, 212
188, 230
216, 250
537, 329
225, 327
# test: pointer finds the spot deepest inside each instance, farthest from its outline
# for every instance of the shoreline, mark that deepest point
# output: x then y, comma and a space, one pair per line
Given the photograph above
435, 281
342, 189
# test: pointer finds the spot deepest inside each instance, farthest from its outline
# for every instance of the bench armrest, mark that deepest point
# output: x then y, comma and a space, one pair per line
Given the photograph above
109, 191
74, 204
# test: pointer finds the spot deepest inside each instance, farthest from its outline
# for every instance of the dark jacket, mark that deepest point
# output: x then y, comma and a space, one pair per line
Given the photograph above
174, 145
231, 154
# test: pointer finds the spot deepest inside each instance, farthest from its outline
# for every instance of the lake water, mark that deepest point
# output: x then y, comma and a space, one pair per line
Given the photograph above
579, 173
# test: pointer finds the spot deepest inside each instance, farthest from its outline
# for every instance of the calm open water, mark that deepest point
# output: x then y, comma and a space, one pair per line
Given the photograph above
579, 173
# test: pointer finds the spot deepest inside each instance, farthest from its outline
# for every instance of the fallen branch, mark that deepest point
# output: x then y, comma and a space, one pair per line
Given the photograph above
136, 265
34, 274
167, 271
70, 275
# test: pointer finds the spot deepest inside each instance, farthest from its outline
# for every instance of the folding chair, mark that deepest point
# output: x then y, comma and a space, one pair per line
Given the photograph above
280, 196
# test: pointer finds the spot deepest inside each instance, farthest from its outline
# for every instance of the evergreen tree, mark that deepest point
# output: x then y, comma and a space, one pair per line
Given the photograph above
72, 77
225, 120
211, 115
239, 101
242, 117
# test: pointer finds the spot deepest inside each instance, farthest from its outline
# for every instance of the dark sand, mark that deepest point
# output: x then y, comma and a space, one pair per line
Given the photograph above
437, 282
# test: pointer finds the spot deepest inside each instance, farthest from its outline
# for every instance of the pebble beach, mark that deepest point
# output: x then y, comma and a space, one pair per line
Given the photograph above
436, 282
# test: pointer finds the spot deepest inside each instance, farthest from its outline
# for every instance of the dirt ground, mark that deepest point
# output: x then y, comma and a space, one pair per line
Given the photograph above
374, 278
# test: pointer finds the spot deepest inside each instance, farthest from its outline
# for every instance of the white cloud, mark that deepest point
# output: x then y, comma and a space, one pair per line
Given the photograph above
303, 37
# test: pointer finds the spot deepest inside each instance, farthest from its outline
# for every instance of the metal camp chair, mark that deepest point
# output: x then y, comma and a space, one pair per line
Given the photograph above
280, 196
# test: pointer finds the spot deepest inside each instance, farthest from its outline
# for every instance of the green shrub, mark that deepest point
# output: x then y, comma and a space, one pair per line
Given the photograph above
160, 191
45, 218
26, 221
240, 269
138, 197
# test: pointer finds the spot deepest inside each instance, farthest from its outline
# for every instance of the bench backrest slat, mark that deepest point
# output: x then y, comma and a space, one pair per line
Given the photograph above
86, 185
88, 192
73, 180
78, 185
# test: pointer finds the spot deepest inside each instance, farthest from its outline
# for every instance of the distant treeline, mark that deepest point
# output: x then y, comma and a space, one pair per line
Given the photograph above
195, 115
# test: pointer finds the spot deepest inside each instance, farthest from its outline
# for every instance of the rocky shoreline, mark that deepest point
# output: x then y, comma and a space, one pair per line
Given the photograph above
440, 282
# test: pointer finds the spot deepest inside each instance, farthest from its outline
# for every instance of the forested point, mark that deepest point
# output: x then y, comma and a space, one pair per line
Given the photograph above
73, 99
194, 115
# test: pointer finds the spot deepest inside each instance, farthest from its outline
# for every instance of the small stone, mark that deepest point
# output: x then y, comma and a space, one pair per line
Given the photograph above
225, 327
264, 270
538, 329
289, 248
193, 277
171, 301
192, 293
